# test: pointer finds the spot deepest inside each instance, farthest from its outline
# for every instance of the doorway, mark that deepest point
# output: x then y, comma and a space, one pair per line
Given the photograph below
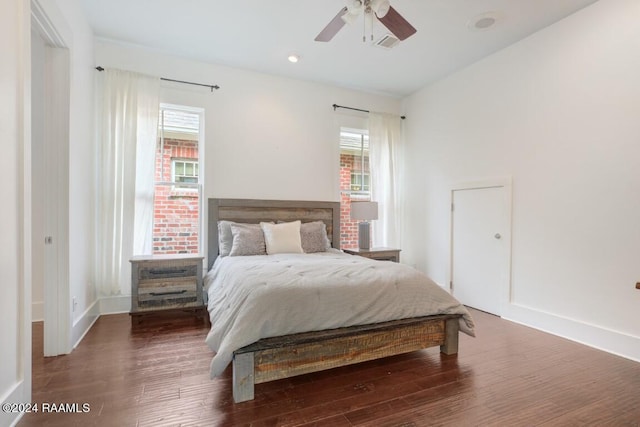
481, 246
50, 102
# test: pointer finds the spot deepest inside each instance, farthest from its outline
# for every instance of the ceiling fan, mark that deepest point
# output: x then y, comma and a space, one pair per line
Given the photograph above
381, 9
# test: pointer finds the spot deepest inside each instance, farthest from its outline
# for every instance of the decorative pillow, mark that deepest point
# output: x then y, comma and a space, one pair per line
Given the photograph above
314, 237
282, 238
225, 237
248, 239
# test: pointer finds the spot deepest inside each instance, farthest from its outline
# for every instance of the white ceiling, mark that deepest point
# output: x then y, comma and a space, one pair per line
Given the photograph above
260, 34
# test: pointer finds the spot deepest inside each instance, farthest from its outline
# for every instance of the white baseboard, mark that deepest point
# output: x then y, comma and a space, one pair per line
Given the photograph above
106, 305
17, 394
614, 342
37, 311
114, 305
83, 324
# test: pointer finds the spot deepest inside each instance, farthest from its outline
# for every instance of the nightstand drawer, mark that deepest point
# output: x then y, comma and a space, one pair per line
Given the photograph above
167, 293
167, 271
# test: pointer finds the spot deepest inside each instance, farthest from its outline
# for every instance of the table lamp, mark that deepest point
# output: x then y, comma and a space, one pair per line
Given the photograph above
365, 212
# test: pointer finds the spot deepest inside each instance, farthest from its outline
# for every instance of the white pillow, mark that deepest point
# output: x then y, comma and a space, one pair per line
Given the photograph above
225, 238
282, 238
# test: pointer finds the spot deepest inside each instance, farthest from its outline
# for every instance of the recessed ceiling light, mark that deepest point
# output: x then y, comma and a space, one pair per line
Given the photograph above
294, 58
483, 22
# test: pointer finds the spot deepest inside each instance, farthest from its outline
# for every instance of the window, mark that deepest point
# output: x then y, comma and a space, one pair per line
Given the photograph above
355, 180
177, 222
359, 182
184, 170
354, 157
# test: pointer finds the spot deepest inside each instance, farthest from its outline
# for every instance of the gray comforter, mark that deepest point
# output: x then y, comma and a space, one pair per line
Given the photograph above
254, 297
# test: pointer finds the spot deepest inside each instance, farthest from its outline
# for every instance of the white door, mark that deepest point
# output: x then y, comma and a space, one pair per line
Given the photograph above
480, 247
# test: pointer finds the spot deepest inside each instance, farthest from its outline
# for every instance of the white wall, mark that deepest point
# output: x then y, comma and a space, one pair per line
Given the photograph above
559, 113
81, 169
266, 137
68, 20
38, 53
15, 217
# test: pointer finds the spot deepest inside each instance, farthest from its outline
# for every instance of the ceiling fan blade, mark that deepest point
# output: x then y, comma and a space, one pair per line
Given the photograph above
332, 27
395, 23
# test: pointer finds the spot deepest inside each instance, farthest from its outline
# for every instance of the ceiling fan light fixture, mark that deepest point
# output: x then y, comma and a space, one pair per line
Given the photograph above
380, 7
355, 7
349, 18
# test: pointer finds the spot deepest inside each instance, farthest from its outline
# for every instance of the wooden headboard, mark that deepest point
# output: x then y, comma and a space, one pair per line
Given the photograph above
255, 211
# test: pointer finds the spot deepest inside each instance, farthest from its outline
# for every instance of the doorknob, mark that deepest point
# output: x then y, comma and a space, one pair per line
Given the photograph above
498, 236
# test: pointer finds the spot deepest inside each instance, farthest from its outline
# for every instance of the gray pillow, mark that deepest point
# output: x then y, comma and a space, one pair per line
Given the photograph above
248, 239
314, 237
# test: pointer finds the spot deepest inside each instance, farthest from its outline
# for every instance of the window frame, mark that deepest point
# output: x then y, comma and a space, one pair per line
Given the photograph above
185, 185
363, 149
185, 189
365, 183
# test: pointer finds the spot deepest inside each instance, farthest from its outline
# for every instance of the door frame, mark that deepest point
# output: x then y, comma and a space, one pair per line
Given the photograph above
506, 292
57, 301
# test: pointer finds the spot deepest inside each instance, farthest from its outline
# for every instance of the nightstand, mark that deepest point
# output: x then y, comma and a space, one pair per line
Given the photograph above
382, 254
165, 283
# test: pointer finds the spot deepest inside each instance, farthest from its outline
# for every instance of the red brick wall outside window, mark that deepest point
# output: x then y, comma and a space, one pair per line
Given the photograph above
348, 228
176, 209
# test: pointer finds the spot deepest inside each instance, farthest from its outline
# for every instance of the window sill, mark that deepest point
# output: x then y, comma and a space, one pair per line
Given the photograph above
183, 194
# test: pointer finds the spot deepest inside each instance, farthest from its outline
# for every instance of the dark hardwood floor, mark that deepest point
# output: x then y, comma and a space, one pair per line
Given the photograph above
510, 375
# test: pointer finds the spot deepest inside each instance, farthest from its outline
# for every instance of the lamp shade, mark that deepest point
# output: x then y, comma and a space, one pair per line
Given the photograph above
364, 210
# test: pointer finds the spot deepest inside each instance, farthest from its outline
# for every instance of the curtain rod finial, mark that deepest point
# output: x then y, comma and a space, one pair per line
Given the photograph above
99, 68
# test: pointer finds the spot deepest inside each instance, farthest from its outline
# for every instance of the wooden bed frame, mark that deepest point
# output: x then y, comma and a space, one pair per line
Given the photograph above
282, 357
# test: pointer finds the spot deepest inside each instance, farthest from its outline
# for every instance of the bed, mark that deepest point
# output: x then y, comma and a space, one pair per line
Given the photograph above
285, 314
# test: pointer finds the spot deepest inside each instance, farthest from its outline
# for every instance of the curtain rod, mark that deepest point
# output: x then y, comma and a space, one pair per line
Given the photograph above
212, 87
356, 109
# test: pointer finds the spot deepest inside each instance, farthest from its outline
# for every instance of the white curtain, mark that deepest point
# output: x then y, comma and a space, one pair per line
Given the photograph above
385, 150
127, 133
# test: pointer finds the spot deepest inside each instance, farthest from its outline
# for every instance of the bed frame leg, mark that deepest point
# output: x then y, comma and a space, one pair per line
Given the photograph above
450, 345
242, 377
